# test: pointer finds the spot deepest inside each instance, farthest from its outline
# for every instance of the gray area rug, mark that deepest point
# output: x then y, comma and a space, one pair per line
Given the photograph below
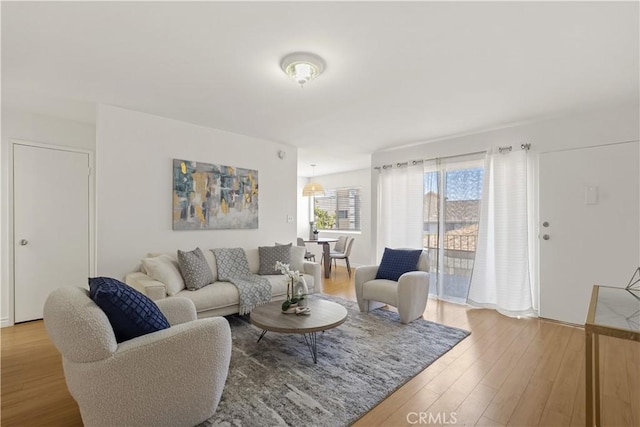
275, 382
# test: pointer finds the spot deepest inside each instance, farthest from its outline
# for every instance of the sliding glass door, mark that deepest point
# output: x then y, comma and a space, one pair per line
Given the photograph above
452, 194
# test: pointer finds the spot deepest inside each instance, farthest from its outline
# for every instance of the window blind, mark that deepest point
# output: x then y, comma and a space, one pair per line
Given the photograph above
338, 209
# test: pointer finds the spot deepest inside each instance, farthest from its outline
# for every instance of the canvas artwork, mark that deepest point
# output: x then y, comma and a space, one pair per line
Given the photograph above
214, 197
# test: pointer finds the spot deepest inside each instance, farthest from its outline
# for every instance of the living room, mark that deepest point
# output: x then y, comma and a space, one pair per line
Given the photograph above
136, 85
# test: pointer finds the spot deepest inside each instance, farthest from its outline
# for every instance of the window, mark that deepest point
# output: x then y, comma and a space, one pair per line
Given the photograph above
338, 209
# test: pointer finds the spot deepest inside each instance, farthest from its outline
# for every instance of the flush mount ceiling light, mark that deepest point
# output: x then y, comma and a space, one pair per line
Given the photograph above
313, 188
302, 67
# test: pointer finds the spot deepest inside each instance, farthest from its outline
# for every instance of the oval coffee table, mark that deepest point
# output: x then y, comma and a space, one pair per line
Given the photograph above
324, 315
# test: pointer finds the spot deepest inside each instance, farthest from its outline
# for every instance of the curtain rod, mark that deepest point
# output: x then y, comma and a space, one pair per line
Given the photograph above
523, 146
415, 162
509, 148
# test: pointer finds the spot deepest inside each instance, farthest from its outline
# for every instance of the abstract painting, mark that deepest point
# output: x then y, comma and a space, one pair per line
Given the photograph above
214, 197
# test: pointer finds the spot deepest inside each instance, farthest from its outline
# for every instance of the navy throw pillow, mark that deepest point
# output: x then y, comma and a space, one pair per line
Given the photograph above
396, 262
130, 312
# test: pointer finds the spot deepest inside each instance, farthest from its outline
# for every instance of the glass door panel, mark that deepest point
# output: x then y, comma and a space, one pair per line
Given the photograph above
451, 225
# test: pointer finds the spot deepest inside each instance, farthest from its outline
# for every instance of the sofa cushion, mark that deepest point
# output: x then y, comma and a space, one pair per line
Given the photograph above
130, 313
396, 262
194, 268
382, 290
269, 255
165, 269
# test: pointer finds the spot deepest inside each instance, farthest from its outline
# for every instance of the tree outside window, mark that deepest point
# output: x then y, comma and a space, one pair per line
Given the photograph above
338, 209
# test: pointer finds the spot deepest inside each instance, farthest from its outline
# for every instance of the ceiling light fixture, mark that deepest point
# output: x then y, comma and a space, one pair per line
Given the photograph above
313, 188
302, 67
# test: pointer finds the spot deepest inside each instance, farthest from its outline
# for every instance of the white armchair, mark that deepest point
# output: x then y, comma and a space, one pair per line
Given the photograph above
171, 377
409, 294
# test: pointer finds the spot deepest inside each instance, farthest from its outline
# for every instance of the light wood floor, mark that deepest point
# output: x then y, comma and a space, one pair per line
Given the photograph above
521, 372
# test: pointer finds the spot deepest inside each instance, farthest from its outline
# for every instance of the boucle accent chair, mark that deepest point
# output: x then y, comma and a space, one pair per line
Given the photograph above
409, 294
172, 377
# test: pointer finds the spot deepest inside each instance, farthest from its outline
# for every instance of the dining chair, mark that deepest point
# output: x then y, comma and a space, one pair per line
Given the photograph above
334, 255
338, 248
309, 256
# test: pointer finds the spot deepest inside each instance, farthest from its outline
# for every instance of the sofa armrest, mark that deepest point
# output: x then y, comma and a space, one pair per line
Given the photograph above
413, 293
313, 269
412, 280
363, 274
174, 368
177, 310
146, 285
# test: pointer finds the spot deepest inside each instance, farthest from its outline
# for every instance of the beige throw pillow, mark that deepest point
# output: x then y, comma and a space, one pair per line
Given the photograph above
296, 258
165, 269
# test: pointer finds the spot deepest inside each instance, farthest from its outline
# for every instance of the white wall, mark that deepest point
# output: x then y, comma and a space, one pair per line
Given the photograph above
360, 252
134, 186
17, 125
303, 209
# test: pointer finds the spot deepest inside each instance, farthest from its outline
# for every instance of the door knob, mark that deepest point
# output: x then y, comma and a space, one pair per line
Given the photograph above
545, 224
546, 237
23, 242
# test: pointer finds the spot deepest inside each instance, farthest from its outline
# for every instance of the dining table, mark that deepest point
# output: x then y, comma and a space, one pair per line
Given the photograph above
326, 249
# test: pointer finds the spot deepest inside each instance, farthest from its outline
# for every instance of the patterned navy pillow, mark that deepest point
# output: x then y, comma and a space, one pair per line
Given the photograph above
396, 262
130, 313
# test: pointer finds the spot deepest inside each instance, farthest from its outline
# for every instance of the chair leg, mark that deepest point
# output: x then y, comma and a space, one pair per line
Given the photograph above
348, 266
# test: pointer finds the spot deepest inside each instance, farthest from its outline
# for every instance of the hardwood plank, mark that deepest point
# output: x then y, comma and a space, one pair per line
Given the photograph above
632, 353
563, 393
529, 409
471, 409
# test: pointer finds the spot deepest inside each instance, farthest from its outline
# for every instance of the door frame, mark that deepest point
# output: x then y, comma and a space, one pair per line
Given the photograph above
10, 320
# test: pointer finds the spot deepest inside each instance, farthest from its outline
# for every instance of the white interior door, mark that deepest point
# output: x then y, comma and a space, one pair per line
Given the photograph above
589, 198
51, 225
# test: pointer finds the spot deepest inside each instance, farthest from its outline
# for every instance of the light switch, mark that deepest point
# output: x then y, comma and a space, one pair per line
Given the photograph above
591, 195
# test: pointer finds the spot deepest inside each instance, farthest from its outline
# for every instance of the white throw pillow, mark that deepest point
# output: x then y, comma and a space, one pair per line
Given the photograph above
296, 259
211, 260
165, 269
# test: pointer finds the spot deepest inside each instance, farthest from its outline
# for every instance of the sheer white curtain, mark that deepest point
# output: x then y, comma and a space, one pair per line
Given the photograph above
501, 276
400, 207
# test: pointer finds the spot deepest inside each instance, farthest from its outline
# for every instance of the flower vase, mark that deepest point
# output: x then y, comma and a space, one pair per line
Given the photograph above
301, 290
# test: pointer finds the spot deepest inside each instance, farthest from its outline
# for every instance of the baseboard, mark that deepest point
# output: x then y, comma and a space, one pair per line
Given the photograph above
560, 322
4, 322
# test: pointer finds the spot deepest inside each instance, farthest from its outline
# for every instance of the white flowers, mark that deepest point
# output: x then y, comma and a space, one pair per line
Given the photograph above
286, 270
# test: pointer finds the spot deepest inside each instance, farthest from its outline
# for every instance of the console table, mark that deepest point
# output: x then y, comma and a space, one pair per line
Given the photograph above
614, 312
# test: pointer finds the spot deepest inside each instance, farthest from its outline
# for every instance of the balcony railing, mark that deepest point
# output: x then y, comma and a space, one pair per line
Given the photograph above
459, 252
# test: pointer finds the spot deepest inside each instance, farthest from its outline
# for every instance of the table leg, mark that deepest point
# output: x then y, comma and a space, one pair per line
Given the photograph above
588, 369
262, 335
326, 249
312, 345
596, 376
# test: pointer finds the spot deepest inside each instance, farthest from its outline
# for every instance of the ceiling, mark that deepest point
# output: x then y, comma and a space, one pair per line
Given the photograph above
397, 72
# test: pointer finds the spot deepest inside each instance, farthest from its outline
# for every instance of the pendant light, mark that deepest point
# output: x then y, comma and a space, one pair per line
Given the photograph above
313, 188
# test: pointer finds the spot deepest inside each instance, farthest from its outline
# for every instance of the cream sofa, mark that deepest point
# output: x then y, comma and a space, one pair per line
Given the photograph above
221, 298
